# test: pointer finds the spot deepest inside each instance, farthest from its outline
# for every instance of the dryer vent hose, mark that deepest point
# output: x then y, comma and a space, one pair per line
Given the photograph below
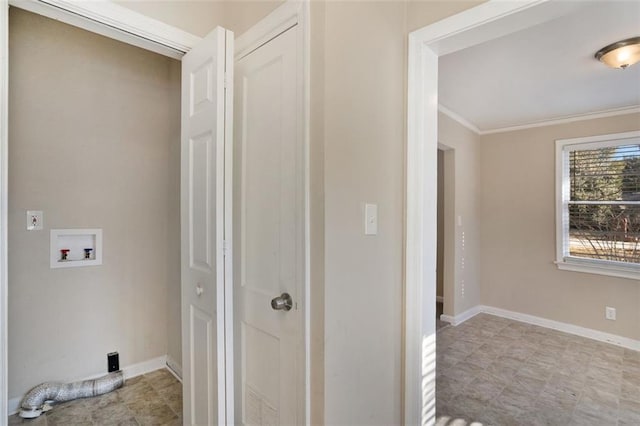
35, 401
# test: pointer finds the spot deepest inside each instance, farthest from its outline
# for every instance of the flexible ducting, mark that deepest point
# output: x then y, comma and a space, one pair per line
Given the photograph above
33, 404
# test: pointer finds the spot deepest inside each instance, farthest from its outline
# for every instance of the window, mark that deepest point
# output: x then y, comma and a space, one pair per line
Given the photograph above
598, 204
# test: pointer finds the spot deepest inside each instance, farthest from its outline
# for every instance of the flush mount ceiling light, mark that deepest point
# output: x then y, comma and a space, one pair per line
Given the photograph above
620, 54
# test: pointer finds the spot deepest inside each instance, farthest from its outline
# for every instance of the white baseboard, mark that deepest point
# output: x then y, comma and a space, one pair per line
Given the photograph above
460, 318
589, 333
143, 367
439, 299
13, 405
134, 370
174, 367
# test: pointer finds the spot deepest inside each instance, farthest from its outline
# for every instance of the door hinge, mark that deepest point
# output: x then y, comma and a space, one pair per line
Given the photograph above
225, 79
225, 247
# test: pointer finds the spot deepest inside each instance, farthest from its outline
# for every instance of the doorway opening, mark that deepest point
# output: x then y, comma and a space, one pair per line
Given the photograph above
484, 22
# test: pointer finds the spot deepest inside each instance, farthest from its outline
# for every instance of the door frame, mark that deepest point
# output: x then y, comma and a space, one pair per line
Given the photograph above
487, 21
117, 22
4, 197
289, 14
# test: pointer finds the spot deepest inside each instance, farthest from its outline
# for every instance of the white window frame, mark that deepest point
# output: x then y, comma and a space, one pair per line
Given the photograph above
563, 185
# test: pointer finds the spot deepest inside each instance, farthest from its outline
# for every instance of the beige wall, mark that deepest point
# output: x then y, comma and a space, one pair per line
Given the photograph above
365, 85
317, 211
93, 131
364, 156
462, 221
174, 291
518, 233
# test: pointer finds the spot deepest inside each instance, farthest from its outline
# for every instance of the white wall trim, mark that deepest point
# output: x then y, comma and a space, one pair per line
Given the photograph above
459, 119
420, 234
174, 367
228, 233
469, 20
277, 22
4, 161
304, 20
131, 371
13, 405
141, 368
589, 333
462, 317
593, 267
111, 20
577, 330
564, 120
551, 122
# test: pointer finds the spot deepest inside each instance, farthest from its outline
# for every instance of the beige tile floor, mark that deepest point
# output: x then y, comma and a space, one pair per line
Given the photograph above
151, 399
490, 370
496, 371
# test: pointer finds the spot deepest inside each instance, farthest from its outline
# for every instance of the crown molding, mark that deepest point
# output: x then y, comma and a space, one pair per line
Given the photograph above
553, 122
564, 120
459, 119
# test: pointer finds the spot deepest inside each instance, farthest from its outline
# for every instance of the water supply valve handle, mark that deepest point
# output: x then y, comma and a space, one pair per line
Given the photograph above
64, 253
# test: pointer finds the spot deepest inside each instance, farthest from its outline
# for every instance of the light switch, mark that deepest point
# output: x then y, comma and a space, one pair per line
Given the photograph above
370, 219
34, 220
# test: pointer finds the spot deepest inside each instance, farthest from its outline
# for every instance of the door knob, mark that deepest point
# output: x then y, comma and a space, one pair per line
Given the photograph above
199, 290
282, 302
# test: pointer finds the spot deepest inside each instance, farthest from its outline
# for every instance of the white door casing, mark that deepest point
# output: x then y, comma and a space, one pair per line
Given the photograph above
205, 135
4, 195
270, 237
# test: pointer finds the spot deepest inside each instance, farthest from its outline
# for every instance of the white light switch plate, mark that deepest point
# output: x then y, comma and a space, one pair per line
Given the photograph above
35, 220
370, 219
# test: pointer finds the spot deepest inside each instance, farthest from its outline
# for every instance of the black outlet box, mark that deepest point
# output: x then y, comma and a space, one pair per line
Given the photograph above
113, 362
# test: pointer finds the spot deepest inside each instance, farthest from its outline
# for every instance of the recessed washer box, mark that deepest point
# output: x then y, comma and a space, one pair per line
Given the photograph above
76, 243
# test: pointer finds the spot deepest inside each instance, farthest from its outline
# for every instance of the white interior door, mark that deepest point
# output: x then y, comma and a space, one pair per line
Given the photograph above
205, 105
269, 234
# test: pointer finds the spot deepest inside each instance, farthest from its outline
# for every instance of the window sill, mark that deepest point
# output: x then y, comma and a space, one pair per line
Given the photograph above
600, 269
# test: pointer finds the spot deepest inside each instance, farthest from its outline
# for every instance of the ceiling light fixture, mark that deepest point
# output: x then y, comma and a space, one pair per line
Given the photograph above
620, 54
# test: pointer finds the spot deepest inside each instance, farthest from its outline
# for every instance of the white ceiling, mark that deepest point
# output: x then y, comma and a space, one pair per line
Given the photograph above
543, 73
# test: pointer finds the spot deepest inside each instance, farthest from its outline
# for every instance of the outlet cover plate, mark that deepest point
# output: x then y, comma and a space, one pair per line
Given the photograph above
113, 362
35, 220
610, 313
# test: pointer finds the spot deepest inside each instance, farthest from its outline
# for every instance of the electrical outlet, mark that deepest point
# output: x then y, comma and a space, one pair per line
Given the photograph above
610, 313
113, 362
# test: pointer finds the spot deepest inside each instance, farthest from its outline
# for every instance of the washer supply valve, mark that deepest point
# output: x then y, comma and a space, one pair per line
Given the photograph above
87, 253
64, 254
